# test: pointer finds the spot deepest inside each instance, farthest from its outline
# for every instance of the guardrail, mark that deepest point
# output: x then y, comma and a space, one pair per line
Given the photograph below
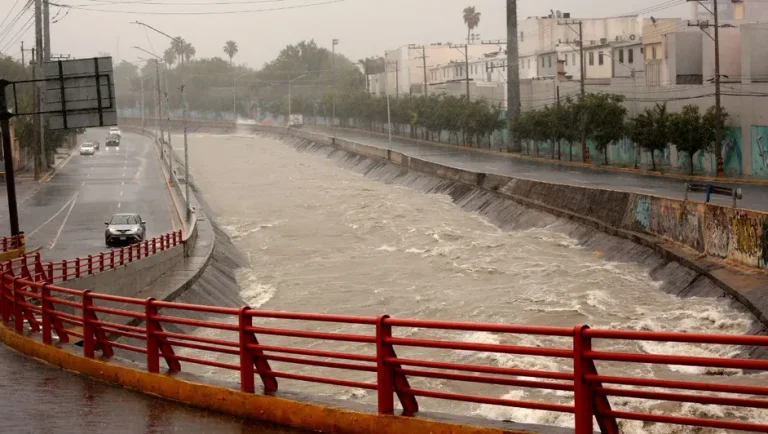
11, 243
31, 268
101, 321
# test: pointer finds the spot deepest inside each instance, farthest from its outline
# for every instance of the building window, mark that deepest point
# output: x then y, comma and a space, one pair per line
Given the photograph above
621, 56
600, 58
653, 53
591, 58
631, 55
522, 36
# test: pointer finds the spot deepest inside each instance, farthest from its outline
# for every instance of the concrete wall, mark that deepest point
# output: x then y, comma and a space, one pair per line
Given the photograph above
132, 278
594, 68
684, 56
754, 52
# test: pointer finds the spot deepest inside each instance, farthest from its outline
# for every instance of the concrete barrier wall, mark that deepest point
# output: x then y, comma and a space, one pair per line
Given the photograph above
130, 279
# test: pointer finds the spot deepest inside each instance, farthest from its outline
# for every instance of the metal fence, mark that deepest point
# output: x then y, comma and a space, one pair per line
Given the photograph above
160, 331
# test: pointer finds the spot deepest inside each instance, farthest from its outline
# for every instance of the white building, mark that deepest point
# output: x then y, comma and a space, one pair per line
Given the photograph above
405, 65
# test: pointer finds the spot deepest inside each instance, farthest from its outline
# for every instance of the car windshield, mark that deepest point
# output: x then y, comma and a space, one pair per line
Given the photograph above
87, 145
112, 137
123, 220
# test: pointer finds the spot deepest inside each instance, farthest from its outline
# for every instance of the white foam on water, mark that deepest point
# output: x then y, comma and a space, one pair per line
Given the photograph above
253, 291
387, 248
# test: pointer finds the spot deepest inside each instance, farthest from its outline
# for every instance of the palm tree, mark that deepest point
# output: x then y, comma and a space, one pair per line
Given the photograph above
177, 46
169, 56
189, 52
231, 49
471, 19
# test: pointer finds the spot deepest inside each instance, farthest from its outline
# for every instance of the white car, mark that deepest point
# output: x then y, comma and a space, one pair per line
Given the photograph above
115, 130
87, 149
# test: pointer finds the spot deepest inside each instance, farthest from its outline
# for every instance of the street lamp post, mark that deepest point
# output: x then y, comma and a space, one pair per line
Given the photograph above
186, 110
333, 68
290, 98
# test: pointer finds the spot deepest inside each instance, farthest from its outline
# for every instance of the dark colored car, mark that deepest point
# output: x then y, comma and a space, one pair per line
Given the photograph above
125, 228
113, 140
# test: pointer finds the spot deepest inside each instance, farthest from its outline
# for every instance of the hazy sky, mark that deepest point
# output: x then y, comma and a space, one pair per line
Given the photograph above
363, 27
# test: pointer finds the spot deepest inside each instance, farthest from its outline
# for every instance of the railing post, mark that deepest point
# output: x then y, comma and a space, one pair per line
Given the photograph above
101, 261
130, 254
246, 354
388, 378
153, 349
582, 392
384, 380
50, 272
154, 245
65, 270
112, 259
122, 256
146, 248
90, 265
138, 251
18, 309
77, 267
4, 310
45, 312
88, 334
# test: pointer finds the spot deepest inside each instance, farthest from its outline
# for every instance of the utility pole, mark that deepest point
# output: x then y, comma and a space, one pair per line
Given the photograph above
46, 31
466, 68
583, 74
10, 182
718, 103
23, 63
38, 118
186, 153
424, 64
513, 73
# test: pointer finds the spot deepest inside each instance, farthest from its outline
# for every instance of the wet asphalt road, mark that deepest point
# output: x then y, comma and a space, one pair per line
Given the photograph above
39, 398
755, 196
66, 214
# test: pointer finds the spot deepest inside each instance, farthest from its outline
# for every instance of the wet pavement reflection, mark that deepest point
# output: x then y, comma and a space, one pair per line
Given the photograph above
39, 398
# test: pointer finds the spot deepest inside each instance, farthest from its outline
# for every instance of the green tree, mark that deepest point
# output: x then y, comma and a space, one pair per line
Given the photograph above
471, 19
607, 115
688, 133
651, 130
230, 48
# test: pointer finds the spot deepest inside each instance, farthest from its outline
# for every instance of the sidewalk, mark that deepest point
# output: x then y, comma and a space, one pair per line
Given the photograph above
544, 160
755, 195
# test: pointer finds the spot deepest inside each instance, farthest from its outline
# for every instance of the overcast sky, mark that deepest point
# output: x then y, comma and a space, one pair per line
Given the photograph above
363, 27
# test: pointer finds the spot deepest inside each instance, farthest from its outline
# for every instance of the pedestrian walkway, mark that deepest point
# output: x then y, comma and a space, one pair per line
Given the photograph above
755, 195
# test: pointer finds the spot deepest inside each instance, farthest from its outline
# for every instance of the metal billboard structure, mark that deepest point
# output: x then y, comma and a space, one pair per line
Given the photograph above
79, 93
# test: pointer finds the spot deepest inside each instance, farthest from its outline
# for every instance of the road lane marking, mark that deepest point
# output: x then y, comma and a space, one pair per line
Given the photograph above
121, 193
56, 238
54, 216
118, 205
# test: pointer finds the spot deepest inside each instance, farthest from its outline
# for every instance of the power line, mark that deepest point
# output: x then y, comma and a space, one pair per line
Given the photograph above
202, 12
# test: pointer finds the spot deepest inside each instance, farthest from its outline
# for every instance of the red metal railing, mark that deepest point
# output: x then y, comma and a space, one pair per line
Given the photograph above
11, 243
31, 268
150, 329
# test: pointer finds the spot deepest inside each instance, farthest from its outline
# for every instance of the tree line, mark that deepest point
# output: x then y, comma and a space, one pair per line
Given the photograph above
425, 117
602, 118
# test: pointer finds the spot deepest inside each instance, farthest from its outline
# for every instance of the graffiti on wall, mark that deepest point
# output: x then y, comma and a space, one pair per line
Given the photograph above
643, 213
759, 150
745, 237
678, 221
718, 231
623, 152
732, 152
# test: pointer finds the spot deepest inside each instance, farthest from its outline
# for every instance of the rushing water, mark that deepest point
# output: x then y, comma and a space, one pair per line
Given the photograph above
320, 238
